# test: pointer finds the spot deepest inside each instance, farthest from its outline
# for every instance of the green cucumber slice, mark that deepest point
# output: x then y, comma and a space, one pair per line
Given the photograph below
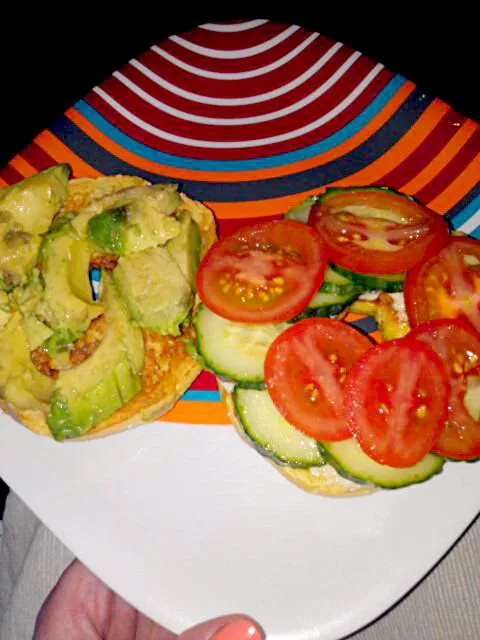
352, 463
271, 434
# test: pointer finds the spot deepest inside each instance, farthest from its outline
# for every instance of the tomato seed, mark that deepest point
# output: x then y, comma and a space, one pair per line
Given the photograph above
333, 357
383, 409
421, 411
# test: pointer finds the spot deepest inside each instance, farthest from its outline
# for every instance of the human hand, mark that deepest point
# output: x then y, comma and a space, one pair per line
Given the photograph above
81, 607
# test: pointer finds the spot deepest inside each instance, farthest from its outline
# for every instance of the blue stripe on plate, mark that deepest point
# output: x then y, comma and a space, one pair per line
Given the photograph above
366, 153
368, 325
201, 396
180, 162
460, 216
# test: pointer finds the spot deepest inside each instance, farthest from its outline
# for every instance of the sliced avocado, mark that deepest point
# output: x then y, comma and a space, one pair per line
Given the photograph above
37, 332
186, 246
26, 298
154, 290
21, 384
33, 202
78, 270
131, 220
60, 308
108, 230
5, 309
18, 254
91, 392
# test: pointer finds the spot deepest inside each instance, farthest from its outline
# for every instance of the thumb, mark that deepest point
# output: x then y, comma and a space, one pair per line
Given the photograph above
230, 627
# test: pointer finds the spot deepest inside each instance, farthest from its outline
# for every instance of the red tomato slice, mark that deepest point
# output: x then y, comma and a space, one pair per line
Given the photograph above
305, 369
447, 285
396, 401
458, 345
377, 232
268, 272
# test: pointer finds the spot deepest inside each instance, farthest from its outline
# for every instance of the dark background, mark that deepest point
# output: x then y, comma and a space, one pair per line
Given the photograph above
51, 57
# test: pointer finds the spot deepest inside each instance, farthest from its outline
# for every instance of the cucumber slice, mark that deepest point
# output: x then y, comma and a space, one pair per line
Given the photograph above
327, 305
301, 211
352, 463
336, 283
233, 350
389, 283
271, 434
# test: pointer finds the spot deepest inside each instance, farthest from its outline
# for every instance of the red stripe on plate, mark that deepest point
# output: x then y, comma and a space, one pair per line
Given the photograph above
452, 170
205, 382
257, 87
235, 65
37, 157
10, 175
235, 39
174, 148
425, 153
239, 87
151, 115
228, 226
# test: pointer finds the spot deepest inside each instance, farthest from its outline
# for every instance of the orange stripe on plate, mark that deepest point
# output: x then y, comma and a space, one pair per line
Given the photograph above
192, 412
376, 335
61, 153
442, 159
240, 176
22, 166
458, 188
412, 139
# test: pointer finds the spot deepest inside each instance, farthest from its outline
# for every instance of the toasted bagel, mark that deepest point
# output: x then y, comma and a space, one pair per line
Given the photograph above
168, 369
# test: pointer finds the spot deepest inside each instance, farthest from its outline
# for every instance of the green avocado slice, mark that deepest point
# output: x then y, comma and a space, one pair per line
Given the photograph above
91, 392
154, 290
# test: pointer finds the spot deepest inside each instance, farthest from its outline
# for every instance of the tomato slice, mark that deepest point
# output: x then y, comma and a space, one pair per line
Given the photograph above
458, 345
267, 272
305, 369
377, 231
396, 401
447, 285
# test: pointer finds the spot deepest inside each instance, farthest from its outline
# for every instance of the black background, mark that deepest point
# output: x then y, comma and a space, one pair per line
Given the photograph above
50, 60
50, 57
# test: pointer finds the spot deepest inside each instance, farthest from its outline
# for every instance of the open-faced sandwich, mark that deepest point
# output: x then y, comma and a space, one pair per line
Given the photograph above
97, 287
335, 410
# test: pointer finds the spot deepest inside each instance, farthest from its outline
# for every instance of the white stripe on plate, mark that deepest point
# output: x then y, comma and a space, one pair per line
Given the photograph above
234, 54
231, 102
471, 224
236, 75
266, 117
232, 28
240, 144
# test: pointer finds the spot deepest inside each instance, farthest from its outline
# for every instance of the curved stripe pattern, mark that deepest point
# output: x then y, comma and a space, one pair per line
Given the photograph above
360, 157
236, 53
235, 77
277, 160
262, 97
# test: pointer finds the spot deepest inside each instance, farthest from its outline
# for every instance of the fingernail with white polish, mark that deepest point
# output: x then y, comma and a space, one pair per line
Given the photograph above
239, 630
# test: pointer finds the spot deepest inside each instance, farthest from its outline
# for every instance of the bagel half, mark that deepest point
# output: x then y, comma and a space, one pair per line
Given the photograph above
168, 369
322, 481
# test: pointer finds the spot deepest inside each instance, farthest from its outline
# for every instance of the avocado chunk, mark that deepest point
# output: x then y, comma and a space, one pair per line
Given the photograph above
154, 290
186, 246
21, 384
91, 392
5, 310
131, 220
18, 253
33, 202
60, 307
26, 211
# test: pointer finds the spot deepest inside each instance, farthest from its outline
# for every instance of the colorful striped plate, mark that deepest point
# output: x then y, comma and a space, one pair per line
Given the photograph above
252, 117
